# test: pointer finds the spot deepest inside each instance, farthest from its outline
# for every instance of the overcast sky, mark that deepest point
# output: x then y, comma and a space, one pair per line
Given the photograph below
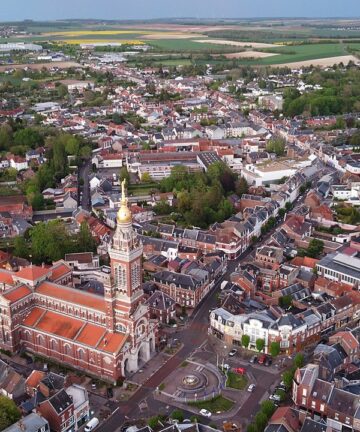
140, 9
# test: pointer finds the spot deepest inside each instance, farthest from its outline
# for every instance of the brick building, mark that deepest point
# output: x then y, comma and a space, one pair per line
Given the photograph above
106, 336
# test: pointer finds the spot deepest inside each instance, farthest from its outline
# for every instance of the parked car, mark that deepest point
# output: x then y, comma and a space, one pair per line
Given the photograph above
251, 388
205, 412
262, 359
226, 367
280, 387
91, 424
232, 352
268, 361
253, 359
93, 385
275, 397
110, 392
240, 370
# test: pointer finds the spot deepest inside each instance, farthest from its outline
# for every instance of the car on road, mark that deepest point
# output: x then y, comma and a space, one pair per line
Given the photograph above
232, 352
251, 388
240, 370
205, 412
262, 359
253, 359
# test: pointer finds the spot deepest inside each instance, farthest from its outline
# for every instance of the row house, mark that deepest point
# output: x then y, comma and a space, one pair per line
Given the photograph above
293, 332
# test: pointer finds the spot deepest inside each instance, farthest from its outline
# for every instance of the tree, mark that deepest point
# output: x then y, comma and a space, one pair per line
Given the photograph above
282, 212
178, 415
28, 137
276, 145
146, 178
86, 242
282, 394
162, 208
49, 241
275, 349
268, 408
288, 377
315, 248
241, 187
21, 248
251, 428
285, 301
245, 340
9, 412
6, 137
261, 421
260, 344
299, 360
124, 175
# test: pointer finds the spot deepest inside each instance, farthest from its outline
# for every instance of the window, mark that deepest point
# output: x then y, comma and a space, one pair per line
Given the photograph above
304, 392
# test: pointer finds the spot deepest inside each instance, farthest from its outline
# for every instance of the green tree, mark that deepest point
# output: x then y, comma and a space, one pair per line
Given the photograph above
261, 421
178, 415
162, 208
49, 241
241, 187
299, 360
288, 377
285, 301
260, 344
276, 145
315, 248
275, 349
21, 248
245, 340
6, 137
146, 178
251, 428
86, 242
9, 412
28, 137
268, 408
124, 175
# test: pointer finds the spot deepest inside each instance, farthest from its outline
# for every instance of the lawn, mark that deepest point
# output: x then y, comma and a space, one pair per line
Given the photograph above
236, 381
219, 403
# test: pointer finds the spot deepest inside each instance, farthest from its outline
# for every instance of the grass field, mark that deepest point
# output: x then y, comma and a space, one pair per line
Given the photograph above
236, 381
292, 54
188, 45
218, 404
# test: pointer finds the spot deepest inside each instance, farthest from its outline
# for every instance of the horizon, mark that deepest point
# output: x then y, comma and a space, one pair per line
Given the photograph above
112, 10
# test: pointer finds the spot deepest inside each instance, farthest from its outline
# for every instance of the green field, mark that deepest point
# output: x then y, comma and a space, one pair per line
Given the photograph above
189, 45
218, 404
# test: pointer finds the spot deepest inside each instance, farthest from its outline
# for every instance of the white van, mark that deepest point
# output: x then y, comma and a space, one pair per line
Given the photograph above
91, 425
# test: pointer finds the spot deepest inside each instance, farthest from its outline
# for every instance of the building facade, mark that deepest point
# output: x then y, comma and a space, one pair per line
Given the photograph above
107, 336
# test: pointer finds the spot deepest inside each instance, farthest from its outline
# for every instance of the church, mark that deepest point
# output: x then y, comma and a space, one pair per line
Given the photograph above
107, 336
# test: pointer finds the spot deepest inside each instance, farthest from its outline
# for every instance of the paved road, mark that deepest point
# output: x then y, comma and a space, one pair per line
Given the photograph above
192, 336
84, 172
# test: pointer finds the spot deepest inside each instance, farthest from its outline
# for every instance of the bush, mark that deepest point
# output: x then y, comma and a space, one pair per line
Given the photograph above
178, 415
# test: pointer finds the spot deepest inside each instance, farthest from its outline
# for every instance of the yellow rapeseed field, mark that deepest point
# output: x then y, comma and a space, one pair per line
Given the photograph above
101, 41
77, 33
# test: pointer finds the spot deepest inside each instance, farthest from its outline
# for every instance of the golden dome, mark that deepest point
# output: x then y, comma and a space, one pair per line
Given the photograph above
124, 213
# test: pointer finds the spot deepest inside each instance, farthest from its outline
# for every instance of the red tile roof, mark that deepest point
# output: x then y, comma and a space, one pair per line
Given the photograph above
91, 335
17, 294
71, 295
34, 378
6, 277
112, 342
58, 271
59, 325
32, 273
33, 317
